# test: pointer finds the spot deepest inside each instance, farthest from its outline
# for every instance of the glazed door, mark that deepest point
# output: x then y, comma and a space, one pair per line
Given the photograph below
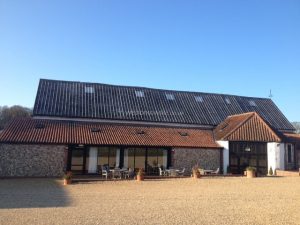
77, 161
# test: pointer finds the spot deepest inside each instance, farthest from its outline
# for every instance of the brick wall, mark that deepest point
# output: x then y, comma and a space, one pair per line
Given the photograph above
187, 158
18, 160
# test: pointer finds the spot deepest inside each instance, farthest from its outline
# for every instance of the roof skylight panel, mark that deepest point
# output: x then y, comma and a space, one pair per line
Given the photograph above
89, 89
139, 94
199, 98
227, 100
252, 103
170, 96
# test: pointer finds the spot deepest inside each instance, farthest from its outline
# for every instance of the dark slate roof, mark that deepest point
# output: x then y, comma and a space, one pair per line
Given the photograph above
69, 99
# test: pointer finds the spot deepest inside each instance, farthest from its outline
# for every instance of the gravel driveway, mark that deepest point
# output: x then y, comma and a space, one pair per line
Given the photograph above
178, 201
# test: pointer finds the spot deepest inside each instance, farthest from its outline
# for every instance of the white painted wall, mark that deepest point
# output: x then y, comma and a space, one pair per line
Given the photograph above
225, 145
276, 155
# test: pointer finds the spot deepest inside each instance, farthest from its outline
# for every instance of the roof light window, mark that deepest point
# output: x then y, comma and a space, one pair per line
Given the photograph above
95, 130
140, 132
170, 97
227, 100
89, 90
252, 103
183, 134
39, 126
199, 98
139, 94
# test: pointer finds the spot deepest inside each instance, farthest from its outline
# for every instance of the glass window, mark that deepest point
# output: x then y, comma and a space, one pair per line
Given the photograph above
163, 157
112, 157
290, 153
77, 160
108, 156
233, 161
152, 157
262, 162
136, 158
130, 160
140, 158
103, 153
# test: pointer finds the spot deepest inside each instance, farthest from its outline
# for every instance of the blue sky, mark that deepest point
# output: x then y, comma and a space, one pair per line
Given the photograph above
234, 47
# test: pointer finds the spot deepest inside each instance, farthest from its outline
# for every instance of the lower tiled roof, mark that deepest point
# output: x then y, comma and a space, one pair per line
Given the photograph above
246, 127
90, 133
292, 137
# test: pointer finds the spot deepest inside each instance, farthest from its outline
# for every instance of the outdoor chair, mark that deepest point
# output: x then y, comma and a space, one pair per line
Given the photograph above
162, 172
129, 174
105, 174
216, 171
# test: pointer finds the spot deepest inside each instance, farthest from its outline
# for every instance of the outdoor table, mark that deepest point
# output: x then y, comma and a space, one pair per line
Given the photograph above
208, 171
113, 171
171, 172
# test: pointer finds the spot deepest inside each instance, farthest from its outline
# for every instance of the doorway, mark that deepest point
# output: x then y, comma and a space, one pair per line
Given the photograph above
78, 160
244, 154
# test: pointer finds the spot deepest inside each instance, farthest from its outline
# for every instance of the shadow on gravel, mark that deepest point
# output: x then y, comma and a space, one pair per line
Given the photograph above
32, 193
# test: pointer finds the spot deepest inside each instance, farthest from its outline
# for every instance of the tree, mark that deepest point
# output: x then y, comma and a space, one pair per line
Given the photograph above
9, 113
297, 126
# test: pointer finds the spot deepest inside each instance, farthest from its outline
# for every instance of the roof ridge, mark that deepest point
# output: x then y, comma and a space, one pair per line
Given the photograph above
156, 89
240, 114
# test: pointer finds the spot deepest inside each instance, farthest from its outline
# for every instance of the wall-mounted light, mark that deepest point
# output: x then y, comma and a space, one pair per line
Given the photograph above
247, 149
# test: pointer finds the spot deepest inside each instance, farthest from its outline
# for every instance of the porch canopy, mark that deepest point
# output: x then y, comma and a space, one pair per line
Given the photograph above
47, 131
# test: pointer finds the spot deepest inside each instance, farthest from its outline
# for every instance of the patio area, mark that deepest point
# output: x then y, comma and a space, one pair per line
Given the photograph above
209, 200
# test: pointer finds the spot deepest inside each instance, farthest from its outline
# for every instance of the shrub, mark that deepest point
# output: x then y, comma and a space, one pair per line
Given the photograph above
196, 172
271, 171
250, 168
68, 175
140, 172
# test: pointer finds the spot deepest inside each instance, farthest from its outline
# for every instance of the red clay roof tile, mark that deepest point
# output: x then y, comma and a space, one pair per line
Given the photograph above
246, 127
67, 132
